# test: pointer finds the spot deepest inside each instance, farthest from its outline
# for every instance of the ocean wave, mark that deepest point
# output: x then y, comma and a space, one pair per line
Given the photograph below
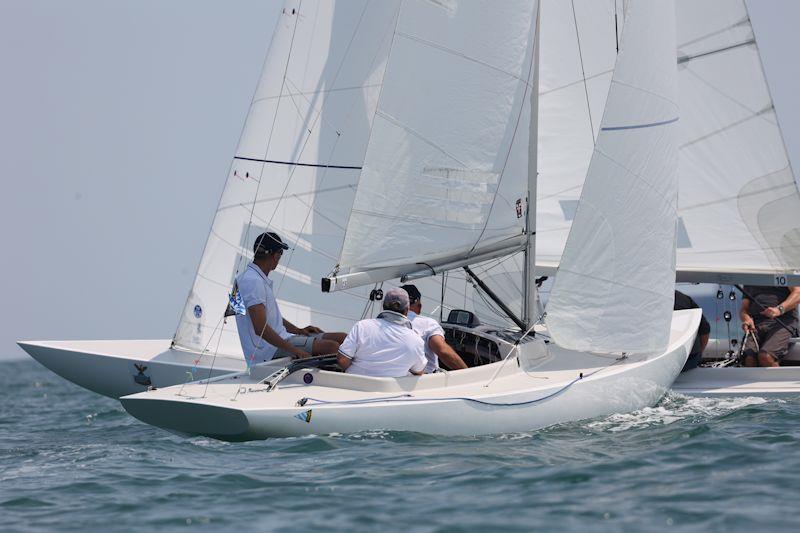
674, 408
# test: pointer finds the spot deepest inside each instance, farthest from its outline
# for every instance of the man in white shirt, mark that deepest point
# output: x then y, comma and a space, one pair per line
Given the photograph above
386, 346
432, 335
263, 331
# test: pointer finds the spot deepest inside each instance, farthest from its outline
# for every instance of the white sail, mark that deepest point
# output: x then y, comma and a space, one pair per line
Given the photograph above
447, 159
738, 201
613, 289
738, 205
578, 41
296, 167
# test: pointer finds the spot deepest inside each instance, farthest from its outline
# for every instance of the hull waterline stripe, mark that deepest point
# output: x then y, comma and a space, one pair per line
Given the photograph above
637, 126
295, 164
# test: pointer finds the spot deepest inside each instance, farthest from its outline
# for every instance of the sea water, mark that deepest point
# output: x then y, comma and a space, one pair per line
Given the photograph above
73, 460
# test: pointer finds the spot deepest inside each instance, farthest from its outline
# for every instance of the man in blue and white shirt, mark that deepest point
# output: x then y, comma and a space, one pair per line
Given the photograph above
263, 331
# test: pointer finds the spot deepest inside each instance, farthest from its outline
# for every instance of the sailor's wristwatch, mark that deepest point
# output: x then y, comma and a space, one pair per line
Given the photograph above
781, 309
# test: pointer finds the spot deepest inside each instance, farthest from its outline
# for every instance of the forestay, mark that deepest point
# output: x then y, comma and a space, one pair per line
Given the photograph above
613, 289
445, 172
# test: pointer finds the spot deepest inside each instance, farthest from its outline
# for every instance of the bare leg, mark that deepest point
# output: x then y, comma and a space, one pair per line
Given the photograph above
767, 359
324, 347
338, 337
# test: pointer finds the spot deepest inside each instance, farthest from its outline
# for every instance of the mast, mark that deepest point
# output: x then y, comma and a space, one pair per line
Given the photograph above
529, 296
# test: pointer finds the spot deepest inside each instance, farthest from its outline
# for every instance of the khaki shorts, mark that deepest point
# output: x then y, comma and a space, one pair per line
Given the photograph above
772, 338
304, 342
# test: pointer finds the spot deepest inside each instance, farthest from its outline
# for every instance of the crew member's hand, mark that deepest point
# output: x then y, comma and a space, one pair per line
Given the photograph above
311, 330
748, 324
300, 354
771, 312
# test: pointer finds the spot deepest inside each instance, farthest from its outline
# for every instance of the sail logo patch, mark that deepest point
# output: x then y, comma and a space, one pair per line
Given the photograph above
198, 311
305, 416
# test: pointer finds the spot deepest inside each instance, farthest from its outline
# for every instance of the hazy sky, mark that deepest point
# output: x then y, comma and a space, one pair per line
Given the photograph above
118, 121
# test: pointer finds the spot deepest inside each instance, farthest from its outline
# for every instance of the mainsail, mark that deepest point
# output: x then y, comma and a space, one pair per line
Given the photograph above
613, 289
445, 174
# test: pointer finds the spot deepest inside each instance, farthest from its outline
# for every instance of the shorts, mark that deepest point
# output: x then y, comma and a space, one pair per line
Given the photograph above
772, 338
304, 342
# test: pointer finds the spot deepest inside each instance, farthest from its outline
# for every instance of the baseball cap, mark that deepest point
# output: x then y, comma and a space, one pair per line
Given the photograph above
269, 242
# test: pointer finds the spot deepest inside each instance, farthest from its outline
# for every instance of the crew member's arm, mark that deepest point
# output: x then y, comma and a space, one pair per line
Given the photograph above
347, 350
418, 368
294, 330
788, 304
343, 361
258, 315
744, 315
446, 354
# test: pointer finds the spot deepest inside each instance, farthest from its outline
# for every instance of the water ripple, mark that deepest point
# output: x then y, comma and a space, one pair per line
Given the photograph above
72, 460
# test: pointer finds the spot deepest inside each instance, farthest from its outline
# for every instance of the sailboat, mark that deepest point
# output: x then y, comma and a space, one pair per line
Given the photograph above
306, 138
452, 143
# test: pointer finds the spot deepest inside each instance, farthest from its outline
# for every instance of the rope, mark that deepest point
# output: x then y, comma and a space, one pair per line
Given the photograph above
513, 350
583, 72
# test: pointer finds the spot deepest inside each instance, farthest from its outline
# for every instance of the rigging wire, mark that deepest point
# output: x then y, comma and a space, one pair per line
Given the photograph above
583, 72
272, 128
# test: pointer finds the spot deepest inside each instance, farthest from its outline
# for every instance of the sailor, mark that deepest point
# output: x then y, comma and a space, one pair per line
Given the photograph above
386, 346
263, 331
432, 335
770, 314
683, 301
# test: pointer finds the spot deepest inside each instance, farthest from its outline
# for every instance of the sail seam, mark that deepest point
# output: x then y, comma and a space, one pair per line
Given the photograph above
427, 222
223, 207
640, 89
404, 127
671, 202
744, 195
462, 55
315, 93
576, 82
727, 96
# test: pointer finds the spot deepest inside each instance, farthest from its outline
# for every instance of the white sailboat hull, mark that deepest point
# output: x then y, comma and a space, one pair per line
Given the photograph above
118, 368
531, 390
741, 381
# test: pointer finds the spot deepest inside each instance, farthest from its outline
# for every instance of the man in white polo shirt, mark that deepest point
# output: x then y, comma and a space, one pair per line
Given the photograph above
432, 335
263, 331
386, 346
